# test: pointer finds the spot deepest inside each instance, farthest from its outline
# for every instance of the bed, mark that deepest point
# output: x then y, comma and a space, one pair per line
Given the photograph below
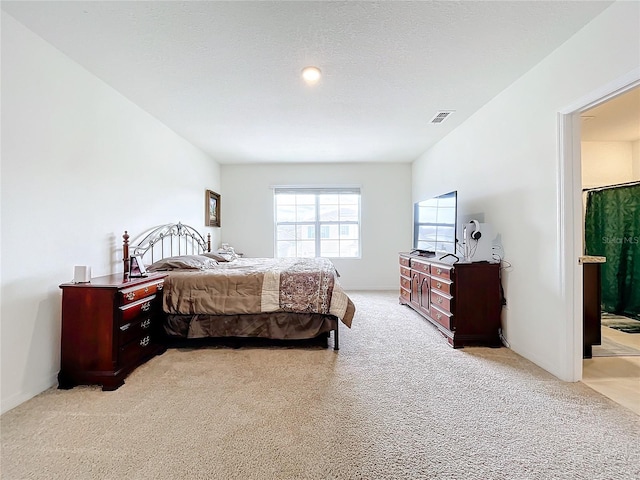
209, 295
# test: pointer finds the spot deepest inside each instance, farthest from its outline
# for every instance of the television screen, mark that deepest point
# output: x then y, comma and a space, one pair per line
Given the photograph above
434, 224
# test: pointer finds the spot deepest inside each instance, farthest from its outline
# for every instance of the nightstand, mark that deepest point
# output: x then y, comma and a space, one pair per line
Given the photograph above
110, 326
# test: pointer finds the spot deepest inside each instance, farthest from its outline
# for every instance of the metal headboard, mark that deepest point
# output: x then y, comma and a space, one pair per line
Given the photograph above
165, 241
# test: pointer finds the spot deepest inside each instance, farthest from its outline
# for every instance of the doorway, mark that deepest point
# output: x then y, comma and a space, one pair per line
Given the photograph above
610, 167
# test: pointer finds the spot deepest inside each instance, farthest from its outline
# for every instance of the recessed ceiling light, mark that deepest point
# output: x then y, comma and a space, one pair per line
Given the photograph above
311, 75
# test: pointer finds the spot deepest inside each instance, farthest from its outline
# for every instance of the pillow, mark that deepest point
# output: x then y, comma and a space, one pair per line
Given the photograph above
183, 262
219, 257
222, 256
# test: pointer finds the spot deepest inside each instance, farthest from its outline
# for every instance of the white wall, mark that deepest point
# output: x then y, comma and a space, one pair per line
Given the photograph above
247, 213
80, 164
504, 163
635, 159
606, 163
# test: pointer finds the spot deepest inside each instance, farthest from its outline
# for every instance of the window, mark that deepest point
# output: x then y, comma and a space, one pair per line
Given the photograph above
317, 222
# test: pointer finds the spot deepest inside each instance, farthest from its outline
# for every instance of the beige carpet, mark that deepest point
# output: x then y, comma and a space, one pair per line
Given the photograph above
396, 402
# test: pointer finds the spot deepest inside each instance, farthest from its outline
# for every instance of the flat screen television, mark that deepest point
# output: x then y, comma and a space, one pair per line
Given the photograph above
434, 224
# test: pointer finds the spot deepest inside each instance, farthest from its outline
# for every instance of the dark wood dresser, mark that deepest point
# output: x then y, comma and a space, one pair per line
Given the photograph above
462, 300
109, 327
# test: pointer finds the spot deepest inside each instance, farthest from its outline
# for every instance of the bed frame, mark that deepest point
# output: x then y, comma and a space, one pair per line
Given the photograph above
172, 238
179, 239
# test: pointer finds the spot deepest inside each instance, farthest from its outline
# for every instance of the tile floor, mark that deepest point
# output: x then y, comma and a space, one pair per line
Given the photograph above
616, 377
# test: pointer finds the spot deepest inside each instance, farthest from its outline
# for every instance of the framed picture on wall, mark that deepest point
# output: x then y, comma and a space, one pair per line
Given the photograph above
212, 209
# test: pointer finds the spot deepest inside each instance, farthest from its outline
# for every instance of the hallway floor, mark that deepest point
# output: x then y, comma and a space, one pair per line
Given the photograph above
616, 377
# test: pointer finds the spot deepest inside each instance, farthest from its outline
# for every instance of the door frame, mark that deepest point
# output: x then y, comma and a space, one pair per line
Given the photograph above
570, 226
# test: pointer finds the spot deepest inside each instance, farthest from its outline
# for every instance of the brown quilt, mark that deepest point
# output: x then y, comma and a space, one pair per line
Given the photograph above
258, 285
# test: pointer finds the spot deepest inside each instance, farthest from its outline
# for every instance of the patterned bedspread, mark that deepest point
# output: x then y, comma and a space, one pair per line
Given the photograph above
257, 285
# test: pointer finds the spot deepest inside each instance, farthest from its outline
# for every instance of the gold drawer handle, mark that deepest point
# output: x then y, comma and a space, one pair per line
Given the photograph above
439, 300
439, 271
146, 306
146, 323
439, 316
145, 341
146, 289
438, 285
130, 295
160, 286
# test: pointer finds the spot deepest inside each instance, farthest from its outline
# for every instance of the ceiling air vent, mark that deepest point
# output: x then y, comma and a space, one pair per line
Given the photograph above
441, 116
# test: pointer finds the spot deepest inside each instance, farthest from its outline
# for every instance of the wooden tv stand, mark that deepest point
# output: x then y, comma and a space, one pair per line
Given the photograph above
462, 300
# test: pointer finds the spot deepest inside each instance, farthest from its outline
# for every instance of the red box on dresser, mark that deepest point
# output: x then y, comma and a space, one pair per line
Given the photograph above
110, 326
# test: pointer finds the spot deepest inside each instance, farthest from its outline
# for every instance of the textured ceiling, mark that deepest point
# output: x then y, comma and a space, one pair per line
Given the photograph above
226, 75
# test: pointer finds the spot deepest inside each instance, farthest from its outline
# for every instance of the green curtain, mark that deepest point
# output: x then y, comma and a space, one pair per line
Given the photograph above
612, 230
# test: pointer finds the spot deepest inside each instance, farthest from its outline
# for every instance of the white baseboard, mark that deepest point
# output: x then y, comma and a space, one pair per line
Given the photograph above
18, 398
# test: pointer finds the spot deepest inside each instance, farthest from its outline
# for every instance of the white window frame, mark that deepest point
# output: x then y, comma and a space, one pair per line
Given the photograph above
318, 224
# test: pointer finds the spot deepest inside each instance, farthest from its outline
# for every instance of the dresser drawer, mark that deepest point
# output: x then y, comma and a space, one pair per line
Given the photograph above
404, 261
133, 294
133, 351
440, 300
405, 294
405, 283
405, 272
134, 310
443, 318
441, 271
441, 285
420, 267
135, 329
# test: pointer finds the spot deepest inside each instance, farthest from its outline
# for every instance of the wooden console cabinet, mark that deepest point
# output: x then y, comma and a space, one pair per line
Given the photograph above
592, 303
462, 300
109, 327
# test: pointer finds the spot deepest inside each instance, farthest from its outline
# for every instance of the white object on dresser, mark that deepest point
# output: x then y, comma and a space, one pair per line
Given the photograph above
477, 243
81, 274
